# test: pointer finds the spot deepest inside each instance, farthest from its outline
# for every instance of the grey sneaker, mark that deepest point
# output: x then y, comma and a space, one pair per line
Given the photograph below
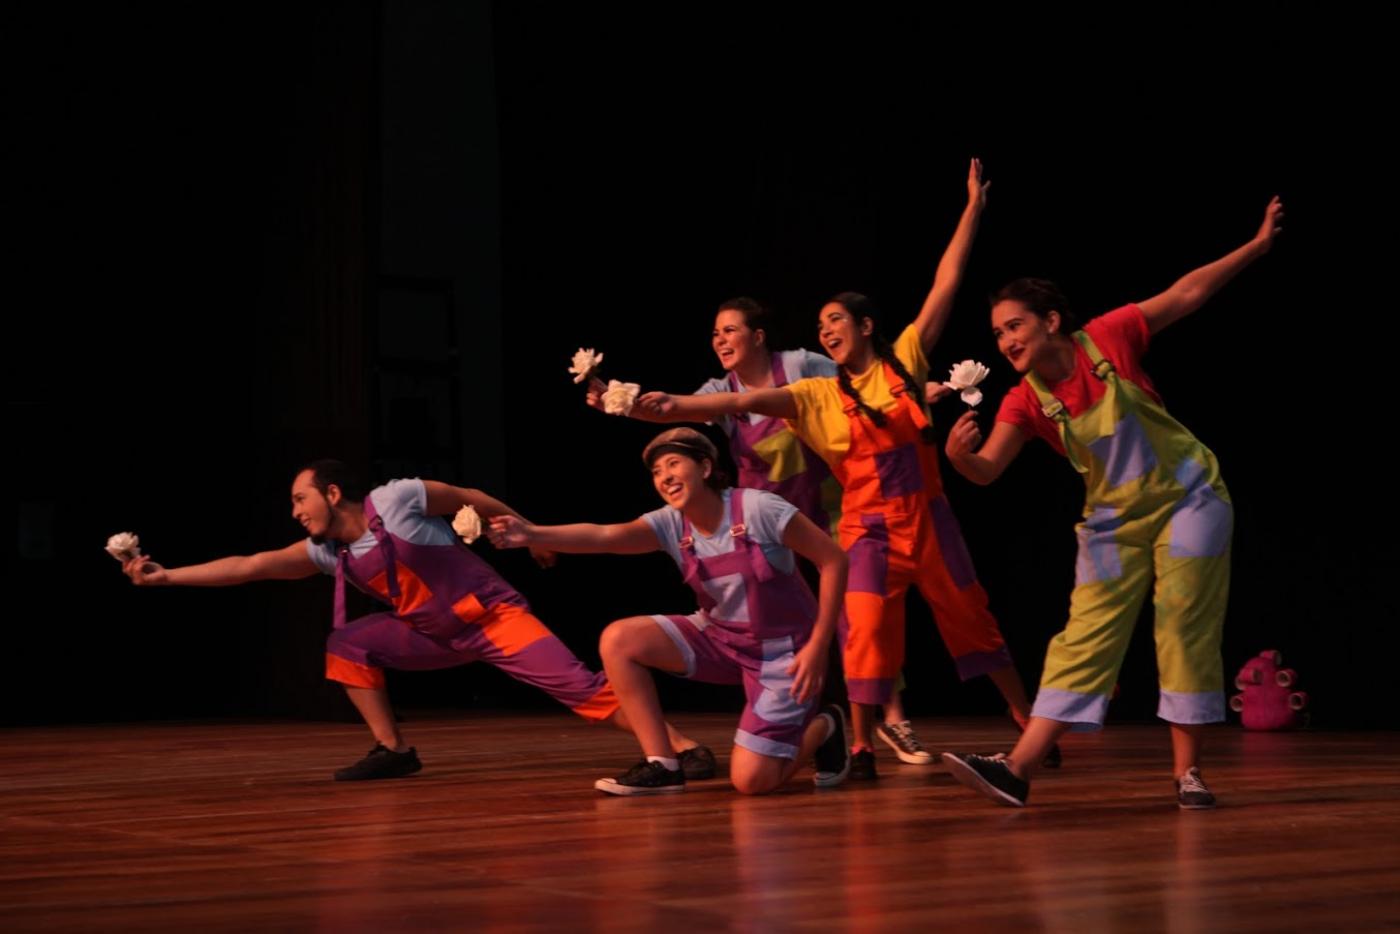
900, 737
1192, 793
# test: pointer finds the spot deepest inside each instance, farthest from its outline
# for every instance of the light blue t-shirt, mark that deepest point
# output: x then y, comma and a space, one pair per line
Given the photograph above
797, 364
766, 517
403, 505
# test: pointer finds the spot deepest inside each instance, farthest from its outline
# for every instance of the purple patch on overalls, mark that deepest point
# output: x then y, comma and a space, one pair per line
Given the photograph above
1098, 547
1201, 521
899, 472
950, 542
1126, 454
869, 558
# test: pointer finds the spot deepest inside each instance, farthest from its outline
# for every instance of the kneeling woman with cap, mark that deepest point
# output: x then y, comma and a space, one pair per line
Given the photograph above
758, 623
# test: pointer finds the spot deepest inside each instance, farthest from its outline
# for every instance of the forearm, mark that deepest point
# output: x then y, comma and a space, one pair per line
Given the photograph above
831, 596
1200, 284
955, 257
948, 277
587, 538
1192, 290
980, 470
225, 572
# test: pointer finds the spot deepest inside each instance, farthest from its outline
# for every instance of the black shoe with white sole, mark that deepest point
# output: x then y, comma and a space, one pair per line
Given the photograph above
991, 775
644, 778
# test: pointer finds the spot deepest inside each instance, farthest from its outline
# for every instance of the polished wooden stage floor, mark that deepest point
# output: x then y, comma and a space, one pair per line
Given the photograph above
231, 826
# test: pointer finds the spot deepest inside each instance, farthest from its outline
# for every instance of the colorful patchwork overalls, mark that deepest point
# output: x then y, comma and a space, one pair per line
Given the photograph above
1155, 505
450, 608
898, 529
770, 617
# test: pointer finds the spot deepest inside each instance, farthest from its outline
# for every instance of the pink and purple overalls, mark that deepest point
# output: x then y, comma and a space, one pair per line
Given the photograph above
753, 619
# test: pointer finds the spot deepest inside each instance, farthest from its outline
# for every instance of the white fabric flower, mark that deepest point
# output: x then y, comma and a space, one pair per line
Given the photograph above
585, 362
620, 397
964, 377
124, 546
467, 524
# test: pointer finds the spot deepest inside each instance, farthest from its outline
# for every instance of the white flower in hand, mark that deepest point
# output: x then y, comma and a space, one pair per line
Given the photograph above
124, 546
964, 377
585, 362
467, 524
619, 398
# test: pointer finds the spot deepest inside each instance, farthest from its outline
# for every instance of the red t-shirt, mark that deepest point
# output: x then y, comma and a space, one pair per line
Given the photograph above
1121, 335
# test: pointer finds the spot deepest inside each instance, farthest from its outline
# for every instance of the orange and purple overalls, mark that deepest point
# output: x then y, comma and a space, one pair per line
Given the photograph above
450, 608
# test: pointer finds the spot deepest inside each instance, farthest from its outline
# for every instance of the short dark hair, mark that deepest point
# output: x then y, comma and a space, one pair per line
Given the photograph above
1040, 297
328, 471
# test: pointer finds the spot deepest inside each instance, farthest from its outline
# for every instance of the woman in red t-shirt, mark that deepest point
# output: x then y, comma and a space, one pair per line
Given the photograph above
1155, 509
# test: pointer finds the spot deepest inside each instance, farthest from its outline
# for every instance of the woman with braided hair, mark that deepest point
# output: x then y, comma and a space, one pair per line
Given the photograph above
870, 425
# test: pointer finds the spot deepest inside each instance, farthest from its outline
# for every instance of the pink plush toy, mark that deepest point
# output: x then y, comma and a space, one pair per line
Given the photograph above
1267, 703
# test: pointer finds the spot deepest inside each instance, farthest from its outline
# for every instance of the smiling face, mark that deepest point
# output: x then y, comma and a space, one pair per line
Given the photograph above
680, 480
1022, 336
734, 342
844, 338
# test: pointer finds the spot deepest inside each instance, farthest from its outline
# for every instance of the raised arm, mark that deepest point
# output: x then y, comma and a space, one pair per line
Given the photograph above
939, 303
982, 464
625, 538
663, 407
288, 563
1191, 291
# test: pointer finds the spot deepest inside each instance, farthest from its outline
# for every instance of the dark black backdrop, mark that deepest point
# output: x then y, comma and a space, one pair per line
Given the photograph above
238, 235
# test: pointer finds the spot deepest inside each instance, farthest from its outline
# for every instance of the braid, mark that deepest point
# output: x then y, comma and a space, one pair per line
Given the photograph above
844, 379
858, 306
885, 352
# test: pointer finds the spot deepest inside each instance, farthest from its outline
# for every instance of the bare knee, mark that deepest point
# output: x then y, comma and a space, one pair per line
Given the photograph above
752, 785
619, 640
758, 776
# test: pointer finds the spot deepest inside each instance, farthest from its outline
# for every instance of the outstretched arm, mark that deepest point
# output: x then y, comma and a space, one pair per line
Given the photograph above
982, 463
939, 303
288, 563
1191, 291
625, 538
445, 499
663, 407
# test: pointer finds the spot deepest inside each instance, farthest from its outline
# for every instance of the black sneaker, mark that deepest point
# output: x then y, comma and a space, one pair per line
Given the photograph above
1192, 793
989, 775
381, 762
833, 756
900, 737
697, 762
644, 778
863, 766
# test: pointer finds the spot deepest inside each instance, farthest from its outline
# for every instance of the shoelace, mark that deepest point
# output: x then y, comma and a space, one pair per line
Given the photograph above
905, 734
1191, 781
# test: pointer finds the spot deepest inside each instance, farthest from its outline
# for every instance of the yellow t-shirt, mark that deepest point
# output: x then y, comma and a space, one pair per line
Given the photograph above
821, 420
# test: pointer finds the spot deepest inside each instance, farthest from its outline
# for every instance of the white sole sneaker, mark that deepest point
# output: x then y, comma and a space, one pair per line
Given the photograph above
612, 786
970, 777
923, 757
832, 779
